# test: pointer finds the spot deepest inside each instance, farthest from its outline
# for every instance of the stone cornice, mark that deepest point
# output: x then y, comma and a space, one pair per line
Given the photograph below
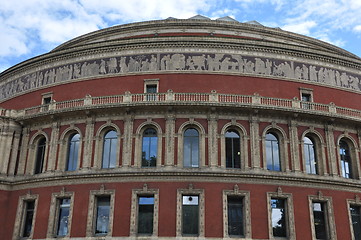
180, 175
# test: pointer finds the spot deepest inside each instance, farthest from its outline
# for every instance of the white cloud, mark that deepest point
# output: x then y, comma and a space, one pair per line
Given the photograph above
357, 28
301, 28
49, 23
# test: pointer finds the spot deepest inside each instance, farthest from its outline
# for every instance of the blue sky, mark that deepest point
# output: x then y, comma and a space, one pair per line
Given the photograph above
32, 27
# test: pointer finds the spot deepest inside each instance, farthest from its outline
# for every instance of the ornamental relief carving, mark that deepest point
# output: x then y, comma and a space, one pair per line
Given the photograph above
232, 63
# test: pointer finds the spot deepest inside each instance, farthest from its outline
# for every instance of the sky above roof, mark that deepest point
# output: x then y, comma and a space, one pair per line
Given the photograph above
29, 28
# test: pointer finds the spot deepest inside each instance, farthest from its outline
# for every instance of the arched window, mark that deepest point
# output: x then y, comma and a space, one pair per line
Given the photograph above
233, 149
346, 166
310, 156
273, 153
40, 156
73, 150
109, 149
191, 148
149, 148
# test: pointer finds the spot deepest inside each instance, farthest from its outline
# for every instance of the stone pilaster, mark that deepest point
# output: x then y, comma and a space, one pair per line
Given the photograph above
212, 141
128, 137
294, 145
332, 158
7, 136
255, 139
169, 140
88, 143
23, 151
14, 153
53, 146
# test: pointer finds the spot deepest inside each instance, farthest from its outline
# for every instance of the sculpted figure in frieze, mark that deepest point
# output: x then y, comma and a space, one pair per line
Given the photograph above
177, 62
165, 63
313, 73
123, 65
153, 64
102, 69
112, 65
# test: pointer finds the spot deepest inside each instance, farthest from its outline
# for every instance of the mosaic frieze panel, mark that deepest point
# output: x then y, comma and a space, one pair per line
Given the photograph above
234, 63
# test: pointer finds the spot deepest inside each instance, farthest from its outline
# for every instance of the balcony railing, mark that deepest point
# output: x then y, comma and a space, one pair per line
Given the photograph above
172, 98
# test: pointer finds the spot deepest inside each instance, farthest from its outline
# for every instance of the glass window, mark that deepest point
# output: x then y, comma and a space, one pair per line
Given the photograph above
151, 90
191, 148
190, 215
102, 215
149, 148
306, 98
28, 218
40, 155
278, 217
63, 217
73, 150
345, 160
233, 149
310, 156
356, 223
110, 149
145, 215
235, 216
319, 218
272, 152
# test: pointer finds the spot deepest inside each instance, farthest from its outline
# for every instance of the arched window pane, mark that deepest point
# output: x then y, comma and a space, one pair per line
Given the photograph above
73, 150
110, 149
233, 150
191, 148
149, 148
345, 160
310, 156
40, 155
272, 153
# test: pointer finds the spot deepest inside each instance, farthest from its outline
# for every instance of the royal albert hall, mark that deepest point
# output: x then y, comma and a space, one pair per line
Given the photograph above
182, 129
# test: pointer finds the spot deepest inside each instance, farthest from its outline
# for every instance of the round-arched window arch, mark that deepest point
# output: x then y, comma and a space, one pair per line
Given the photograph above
273, 158
149, 148
310, 155
110, 143
345, 156
40, 155
191, 148
233, 149
73, 152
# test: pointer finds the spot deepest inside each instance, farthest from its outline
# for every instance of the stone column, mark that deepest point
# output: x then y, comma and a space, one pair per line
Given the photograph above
169, 140
23, 151
255, 146
88, 143
331, 148
53, 146
6, 146
294, 144
128, 137
14, 152
212, 141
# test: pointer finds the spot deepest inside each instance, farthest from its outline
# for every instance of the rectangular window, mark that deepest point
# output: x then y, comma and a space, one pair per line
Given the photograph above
145, 215
102, 215
28, 218
235, 216
306, 98
356, 223
63, 217
319, 219
151, 91
278, 217
190, 215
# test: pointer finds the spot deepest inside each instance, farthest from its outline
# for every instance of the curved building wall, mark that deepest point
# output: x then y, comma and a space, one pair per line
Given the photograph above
199, 118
